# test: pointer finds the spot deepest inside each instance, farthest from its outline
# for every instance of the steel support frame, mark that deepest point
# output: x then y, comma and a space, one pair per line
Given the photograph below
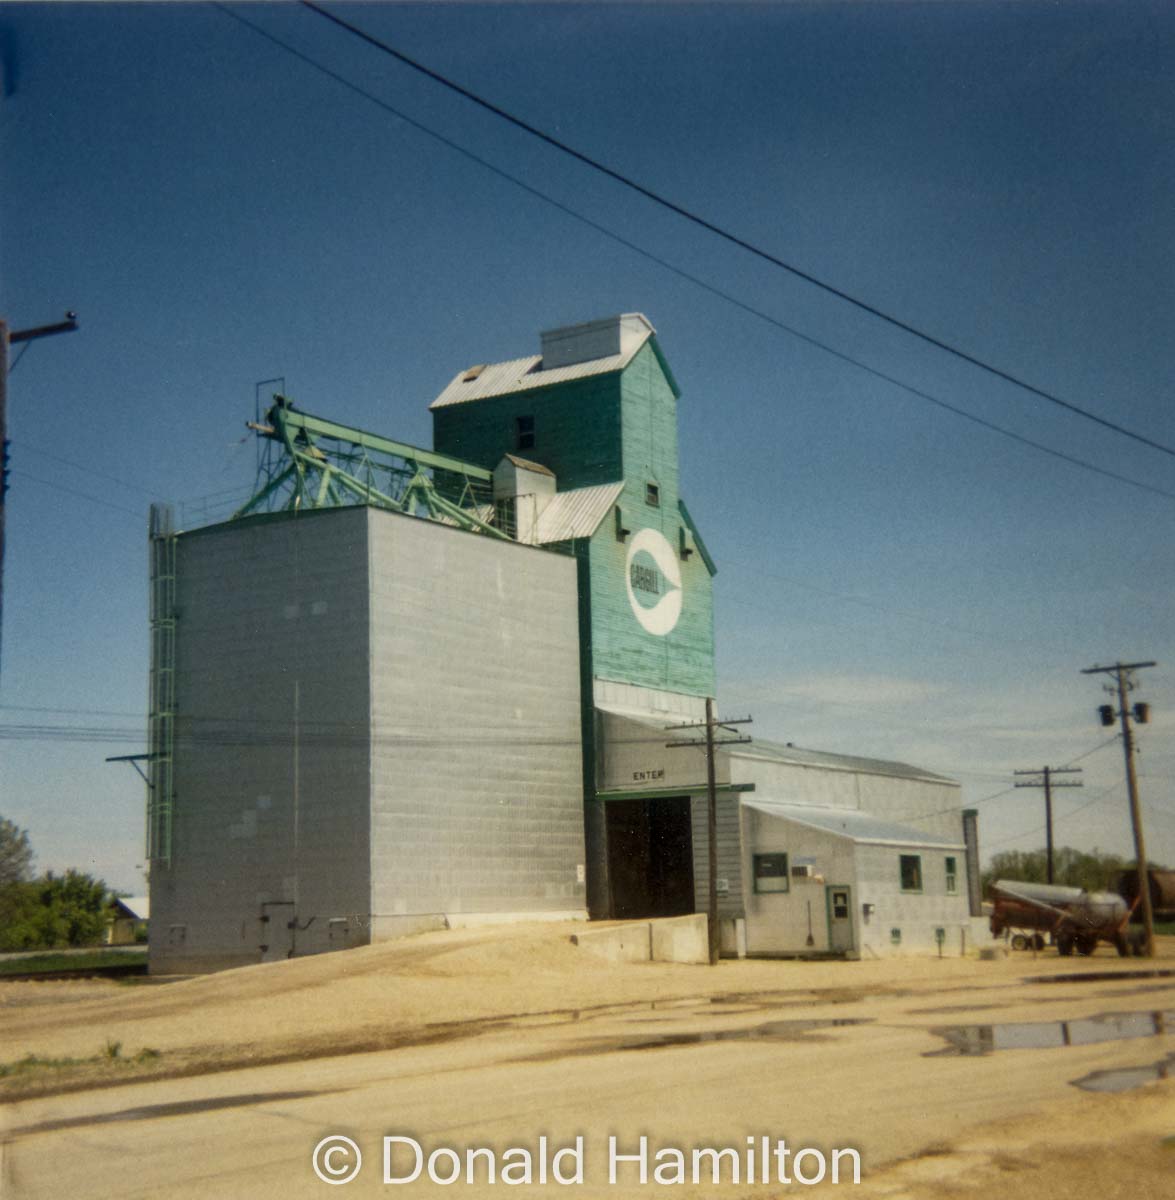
324, 464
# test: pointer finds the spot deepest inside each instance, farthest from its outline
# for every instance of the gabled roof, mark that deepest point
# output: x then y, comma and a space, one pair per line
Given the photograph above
576, 513
851, 823
136, 907
795, 756
523, 374
526, 465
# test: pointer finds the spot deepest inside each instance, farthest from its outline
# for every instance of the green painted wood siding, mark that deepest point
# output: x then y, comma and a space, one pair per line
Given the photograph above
597, 430
577, 430
622, 649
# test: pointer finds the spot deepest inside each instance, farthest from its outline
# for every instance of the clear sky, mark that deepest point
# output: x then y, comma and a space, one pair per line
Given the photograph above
894, 580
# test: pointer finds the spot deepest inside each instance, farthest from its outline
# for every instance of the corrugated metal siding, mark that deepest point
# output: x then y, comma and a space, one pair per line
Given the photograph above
928, 803
576, 514
271, 760
850, 823
777, 752
476, 761
729, 854
525, 374
916, 914
780, 921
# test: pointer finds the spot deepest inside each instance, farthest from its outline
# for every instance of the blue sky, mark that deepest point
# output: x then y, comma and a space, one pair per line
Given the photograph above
893, 580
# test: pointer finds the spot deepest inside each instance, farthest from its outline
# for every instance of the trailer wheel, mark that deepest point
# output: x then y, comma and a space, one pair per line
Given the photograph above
1019, 942
1064, 945
1086, 944
1122, 945
1038, 941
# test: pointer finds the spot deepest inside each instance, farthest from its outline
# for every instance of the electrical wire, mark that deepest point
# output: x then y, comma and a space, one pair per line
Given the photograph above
19, 355
727, 235
678, 271
86, 467
1056, 819
1099, 746
61, 487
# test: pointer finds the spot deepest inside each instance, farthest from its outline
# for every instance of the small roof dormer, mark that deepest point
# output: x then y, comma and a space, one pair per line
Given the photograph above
621, 336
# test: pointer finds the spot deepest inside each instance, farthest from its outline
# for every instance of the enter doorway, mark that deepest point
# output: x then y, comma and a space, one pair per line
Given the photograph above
650, 857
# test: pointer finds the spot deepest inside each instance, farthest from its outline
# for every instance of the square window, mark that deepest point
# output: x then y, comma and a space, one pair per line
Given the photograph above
652, 495
524, 433
911, 865
952, 873
771, 873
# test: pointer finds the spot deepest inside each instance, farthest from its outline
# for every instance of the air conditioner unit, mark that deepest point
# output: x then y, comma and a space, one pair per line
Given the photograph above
804, 871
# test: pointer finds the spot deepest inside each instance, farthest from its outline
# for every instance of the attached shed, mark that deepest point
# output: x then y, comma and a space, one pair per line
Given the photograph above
818, 853
843, 881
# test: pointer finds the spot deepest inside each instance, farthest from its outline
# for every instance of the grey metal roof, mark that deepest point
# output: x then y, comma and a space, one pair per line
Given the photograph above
576, 513
794, 755
522, 374
851, 823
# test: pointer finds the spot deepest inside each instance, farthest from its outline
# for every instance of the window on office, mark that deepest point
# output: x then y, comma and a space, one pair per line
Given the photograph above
952, 872
771, 873
652, 495
911, 867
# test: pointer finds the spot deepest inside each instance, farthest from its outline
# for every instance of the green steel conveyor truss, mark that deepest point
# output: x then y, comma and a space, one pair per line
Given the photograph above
310, 462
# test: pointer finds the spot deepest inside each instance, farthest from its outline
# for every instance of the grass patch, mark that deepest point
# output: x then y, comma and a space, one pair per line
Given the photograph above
52, 961
111, 1052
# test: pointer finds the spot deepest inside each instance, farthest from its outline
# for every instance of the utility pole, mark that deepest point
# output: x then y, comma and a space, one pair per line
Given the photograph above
709, 742
1044, 778
1123, 683
3, 460
6, 338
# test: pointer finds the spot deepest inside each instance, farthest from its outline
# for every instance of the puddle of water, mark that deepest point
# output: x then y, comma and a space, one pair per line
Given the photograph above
946, 1008
1124, 1079
777, 1031
1102, 976
972, 1040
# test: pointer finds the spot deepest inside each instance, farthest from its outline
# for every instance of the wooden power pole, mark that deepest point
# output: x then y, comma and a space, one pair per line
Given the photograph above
1141, 713
6, 339
1044, 778
709, 741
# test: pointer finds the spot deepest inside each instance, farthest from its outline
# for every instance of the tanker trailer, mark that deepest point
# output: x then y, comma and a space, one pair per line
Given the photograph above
1077, 919
1162, 891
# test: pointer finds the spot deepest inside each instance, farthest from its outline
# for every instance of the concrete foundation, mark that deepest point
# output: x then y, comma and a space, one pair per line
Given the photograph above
668, 939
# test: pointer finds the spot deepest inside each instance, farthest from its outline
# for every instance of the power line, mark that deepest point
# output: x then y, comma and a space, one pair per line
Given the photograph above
729, 298
1099, 746
726, 235
86, 467
60, 487
1102, 795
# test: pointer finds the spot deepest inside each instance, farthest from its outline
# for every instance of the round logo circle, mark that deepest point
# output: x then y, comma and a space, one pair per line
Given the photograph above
661, 617
336, 1159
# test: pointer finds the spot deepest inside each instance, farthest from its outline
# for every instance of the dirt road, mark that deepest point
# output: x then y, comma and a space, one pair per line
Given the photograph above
497, 1039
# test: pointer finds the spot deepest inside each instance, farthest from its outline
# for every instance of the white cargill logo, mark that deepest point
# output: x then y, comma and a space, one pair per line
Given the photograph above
661, 617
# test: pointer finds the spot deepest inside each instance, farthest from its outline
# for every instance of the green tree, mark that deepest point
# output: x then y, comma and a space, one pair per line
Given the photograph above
1091, 870
53, 911
16, 854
